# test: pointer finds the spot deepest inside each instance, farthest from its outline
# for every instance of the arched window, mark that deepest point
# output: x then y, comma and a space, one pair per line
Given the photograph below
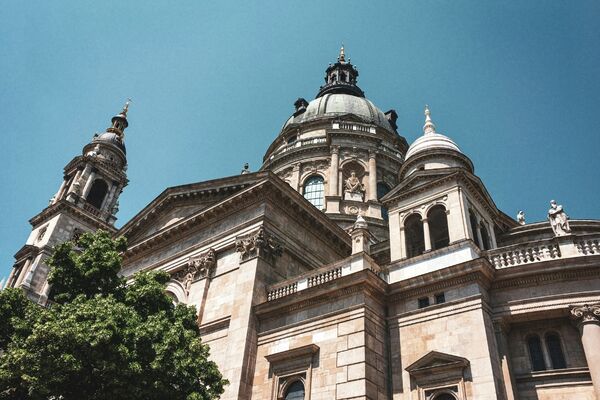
555, 350
485, 236
473, 222
444, 396
382, 190
534, 344
97, 193
295, 391
438, 227
413, 232
314, 189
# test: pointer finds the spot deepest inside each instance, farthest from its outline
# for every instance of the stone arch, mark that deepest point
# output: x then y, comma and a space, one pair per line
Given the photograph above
97, 193
413, 235
285, 386
409, 213
177, 291
438, 226
313, 190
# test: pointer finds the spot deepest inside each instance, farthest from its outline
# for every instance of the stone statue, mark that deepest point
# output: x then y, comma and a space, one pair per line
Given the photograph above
559, 220
246, 169
51, 201
94, 152
521, 217
189, 279
77, 188
353, 189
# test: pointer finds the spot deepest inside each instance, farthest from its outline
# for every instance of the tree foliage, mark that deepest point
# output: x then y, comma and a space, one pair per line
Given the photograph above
103, 340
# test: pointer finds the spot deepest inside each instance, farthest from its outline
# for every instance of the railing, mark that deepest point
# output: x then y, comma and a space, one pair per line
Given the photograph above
324, 277
588, 246
304, 142
544, 250
91, 209
282, 291
354, 127
328, 273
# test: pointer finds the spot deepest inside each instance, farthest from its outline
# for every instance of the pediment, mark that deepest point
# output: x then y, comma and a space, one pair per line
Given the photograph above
419, 179
435, 361
180, 202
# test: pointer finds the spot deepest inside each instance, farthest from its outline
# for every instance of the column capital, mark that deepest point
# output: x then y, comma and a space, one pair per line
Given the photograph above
586, 314
372, 153
335, 149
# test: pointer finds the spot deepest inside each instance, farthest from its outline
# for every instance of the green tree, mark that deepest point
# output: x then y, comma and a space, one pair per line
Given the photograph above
105, 340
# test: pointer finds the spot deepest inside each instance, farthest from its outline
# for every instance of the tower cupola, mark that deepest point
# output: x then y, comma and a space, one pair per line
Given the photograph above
341, 78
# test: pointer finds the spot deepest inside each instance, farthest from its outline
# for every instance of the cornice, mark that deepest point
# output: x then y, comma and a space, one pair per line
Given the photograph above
271, 188
63, 206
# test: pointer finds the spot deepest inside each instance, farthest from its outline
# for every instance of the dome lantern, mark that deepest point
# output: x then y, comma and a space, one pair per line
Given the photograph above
341, 77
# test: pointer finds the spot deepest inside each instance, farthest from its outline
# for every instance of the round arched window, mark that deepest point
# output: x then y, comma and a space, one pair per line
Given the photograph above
295, 391
314, 191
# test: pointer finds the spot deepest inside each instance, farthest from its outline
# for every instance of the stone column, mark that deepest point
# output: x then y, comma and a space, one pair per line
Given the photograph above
588, 321
11, 278
426, 234
19, 279
88, 184
372, 176
478, 233
60, 190
501, 329
77, 176
108, 199
295, 178
334, 171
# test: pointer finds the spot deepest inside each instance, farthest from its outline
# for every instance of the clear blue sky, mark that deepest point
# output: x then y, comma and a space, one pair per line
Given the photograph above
515, 84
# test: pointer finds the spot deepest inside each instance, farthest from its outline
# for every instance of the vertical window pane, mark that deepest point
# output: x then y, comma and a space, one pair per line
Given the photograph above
555, 351
535, 353
314, 190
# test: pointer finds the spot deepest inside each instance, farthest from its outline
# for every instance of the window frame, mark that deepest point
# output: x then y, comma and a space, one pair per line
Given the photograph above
305, 184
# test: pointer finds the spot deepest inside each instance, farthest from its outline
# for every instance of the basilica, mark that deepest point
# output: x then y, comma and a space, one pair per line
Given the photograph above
352, 265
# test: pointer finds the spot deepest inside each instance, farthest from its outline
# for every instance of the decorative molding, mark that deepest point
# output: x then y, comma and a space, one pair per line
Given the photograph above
586, 313
198, 267
260, 243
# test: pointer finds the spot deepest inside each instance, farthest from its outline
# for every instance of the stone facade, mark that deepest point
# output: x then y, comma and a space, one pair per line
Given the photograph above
352, 266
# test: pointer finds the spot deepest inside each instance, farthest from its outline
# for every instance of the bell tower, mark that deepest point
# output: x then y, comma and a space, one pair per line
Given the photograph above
87, 200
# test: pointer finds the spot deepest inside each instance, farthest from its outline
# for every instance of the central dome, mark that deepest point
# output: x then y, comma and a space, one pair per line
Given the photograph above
332, 105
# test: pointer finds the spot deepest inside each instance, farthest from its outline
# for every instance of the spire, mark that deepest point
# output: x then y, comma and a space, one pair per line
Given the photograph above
342, 56
429, 126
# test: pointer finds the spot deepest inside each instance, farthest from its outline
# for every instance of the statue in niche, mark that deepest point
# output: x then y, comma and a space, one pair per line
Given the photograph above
559, 220
353, 189
521, 217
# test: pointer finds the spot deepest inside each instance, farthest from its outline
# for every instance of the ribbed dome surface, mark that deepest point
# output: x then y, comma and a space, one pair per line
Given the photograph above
431, 141
112, 138
331, 105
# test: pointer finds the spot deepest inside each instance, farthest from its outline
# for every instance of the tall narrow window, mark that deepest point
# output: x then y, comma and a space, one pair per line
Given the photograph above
438, 227
314, 189
485, 236
555, 350
97, 193
295, 391
536, 355
382, 190
473, 222
413, 231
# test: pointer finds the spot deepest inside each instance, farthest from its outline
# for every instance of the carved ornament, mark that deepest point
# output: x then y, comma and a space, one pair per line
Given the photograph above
259, 243
198, 267
586, 313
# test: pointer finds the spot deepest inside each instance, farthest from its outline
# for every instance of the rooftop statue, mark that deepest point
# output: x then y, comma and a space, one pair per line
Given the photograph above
559, 220
521, 217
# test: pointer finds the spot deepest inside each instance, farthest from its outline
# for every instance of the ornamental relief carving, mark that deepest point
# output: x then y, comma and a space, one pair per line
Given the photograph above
586, 313
198, 267
285, 174
260, 243
314, 166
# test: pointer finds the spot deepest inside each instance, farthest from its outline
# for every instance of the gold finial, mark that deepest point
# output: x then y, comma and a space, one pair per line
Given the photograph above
342, 57
429, 126
126, 107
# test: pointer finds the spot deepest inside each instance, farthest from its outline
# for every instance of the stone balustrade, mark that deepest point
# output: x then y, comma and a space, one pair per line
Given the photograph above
544, 250
354, 127
328, 273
